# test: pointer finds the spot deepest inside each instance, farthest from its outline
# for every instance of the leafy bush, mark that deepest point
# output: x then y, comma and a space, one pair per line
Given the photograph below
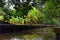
1, 12
1, 18
35, 16
51, 11
14, 20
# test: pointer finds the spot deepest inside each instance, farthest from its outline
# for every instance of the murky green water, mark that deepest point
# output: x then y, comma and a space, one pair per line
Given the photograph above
35, 34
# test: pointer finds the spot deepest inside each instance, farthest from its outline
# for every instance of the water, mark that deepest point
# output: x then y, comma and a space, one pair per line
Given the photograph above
34, 34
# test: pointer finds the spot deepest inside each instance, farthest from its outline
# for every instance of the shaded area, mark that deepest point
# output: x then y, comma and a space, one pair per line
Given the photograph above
57, 31
2, 22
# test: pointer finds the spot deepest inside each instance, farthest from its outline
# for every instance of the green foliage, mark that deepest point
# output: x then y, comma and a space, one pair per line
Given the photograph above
27, 20
1, 11
14, 20
35, 15
22, 8
51, 12
48, 14
10, 12
7, 11
49, 9
52, 8
13, 12
2, 3
1, 18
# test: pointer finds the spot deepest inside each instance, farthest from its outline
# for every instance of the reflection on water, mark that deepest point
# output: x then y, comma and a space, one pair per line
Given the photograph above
26, 39
19, 36
22, 35
35, 34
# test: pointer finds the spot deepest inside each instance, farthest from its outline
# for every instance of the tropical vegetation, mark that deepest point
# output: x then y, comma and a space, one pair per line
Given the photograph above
30, 12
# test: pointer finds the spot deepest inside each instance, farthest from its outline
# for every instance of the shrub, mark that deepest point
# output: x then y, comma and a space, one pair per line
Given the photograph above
35, 16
